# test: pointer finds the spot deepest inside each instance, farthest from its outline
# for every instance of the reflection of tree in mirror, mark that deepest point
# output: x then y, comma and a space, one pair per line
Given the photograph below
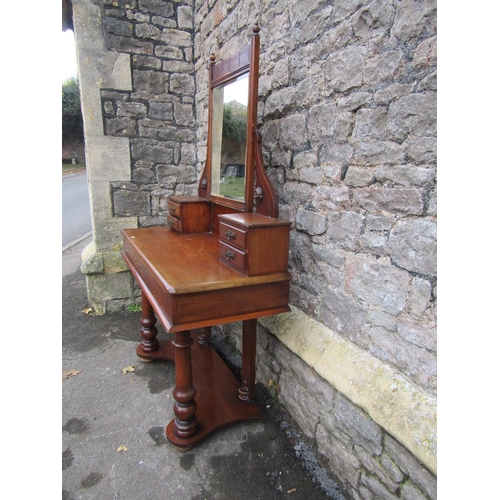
234, 124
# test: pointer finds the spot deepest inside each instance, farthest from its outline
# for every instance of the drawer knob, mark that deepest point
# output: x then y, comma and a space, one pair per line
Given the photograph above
172, 209
230, 235
229, 255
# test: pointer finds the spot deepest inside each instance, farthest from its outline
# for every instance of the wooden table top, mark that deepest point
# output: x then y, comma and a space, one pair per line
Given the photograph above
188, 263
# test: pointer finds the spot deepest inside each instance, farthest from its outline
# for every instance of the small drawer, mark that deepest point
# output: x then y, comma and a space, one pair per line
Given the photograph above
233, 236
174, 209
174, 224
232, 256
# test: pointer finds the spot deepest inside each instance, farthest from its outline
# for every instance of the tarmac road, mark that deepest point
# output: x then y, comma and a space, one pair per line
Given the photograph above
76, 221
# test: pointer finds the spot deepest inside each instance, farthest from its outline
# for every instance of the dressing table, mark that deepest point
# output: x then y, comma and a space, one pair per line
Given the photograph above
223, 257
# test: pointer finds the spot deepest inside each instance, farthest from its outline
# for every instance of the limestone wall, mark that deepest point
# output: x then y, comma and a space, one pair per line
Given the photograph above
347, 109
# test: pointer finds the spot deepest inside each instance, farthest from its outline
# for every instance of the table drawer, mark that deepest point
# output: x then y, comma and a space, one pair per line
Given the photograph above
233, 236
232, 256
174, 209
175, 224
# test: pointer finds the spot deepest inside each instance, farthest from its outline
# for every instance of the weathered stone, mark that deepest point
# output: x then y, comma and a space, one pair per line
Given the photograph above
330, 197
375, 153
379, 491
293, 132
386, 66
391, 468
413, 18
120, 127
182, 84
378, 283
413, 246
344, 69
169, 52
340, 312
131, 203
143, 176
280, 102
420, 295
121, 28
131, 109
145, 62
185, 17
312, 175
183, 114
147, 31
339, 455
373, 466
176, 37
356, 423
400, 200
321, 120
428, 83
336, 153
344, 9
419, 334
329, 255
421, 149
373, 19
374, 243
406, 175
93, 264
370, 123
152, 82
426, 53
409, 465
311, 222
159, 7
378, 223
161, 110
344, 230
126, 44
416, 362
392, 92
409, 491
113, 262
152, 153
174, 173
103, 287
164, 22
415, 114
359, 176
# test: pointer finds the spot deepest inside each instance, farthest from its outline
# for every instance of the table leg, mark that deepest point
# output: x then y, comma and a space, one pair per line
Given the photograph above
186, 423
246, 392
148, 328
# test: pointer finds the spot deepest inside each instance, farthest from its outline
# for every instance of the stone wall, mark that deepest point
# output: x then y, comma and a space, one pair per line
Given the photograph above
347, 109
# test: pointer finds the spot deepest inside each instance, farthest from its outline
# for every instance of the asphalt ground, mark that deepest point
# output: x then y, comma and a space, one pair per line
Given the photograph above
114, 419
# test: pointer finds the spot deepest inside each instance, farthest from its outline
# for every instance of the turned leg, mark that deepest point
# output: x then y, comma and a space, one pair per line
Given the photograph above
246, 392
148, 328
206, 336
186, 423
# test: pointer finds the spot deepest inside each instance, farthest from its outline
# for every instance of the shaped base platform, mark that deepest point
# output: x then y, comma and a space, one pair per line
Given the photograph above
216, 391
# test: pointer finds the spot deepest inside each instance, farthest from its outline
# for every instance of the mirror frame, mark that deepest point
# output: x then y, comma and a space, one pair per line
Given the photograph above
245, 61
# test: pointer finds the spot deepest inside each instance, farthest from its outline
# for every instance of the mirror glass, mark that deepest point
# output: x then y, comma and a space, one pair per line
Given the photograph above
229, 135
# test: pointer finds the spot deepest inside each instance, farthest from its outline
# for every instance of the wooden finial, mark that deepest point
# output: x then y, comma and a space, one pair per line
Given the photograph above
256, 28
212, 57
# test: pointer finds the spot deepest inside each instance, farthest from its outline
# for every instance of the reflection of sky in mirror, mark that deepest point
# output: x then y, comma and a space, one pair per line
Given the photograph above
237, 91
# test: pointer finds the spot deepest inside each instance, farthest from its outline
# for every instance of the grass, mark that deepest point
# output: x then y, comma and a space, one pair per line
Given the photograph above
233, 190
67, 167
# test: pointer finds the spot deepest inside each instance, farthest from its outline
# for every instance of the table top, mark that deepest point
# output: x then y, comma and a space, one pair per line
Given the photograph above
188, 263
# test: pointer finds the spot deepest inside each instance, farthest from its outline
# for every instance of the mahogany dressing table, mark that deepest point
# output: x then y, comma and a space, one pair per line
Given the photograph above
223, 258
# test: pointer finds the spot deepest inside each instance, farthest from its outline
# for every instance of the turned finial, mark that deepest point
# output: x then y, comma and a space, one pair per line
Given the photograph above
256, 28
212, 58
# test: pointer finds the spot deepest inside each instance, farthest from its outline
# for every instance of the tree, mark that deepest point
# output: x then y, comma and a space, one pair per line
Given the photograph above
72, 120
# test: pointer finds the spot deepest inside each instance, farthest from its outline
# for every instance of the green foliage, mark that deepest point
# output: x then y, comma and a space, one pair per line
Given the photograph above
234, 127
72, 120
134, 308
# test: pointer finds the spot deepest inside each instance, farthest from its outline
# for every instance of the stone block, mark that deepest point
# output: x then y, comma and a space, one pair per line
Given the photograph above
175, 37
406, 175
182, 84
312, 222
344, 69
342, 313
107, 159
375, 153
93, 264
120, 127
420, 295
374, 467
359, 176
378, 283
384, 67
144, 30
159, 7
404, 201
161, 110
103, 287
414, 18
370, 123
151, 82
320, 123
131, 203
293, 132
409, 465
413, 246
380, 492
344, 230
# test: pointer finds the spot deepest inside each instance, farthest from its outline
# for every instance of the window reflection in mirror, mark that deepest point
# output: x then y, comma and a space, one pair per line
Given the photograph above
229, 133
